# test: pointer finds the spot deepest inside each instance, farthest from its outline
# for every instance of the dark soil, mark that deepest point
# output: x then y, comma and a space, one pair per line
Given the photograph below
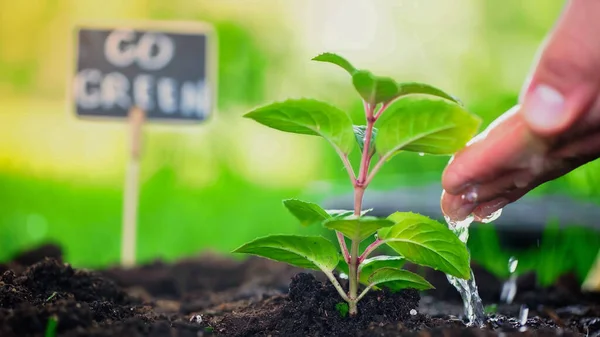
214, 296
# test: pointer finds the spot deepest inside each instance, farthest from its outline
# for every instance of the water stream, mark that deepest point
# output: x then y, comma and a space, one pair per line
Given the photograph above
474, 310
509, 288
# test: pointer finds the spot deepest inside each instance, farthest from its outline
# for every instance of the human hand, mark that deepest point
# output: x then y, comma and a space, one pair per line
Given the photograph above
554, 129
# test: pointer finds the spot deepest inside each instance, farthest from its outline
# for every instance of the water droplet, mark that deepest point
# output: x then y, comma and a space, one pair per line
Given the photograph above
512, 264
413, 312
196, 319
509, 288
492, 217
421, 154
470, 196
523, 314
343, 276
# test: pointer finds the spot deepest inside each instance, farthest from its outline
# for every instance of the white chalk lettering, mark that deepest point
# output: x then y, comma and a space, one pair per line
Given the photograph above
114, 91
142, 95
153, 51
88, 97
194, 98
119, 48
166, 95
164, 51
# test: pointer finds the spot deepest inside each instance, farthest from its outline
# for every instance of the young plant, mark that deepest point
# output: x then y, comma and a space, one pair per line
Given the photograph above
399, 117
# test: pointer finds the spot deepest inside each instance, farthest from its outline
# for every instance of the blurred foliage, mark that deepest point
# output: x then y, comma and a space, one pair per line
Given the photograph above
561, 250
61, 179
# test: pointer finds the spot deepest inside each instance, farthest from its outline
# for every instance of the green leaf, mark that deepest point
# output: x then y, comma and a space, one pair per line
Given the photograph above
307, 212
429, 125
427, 242
397, 279
370, 265
360, 134
342, 213
337, 60
374, 89
309, 117
378, 89
312, 252
342, 308
357, 228
415, 88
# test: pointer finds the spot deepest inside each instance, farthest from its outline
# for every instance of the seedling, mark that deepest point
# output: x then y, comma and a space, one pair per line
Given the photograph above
413, 117
51, 327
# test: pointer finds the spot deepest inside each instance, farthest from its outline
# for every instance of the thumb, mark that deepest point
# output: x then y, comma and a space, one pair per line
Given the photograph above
565, 79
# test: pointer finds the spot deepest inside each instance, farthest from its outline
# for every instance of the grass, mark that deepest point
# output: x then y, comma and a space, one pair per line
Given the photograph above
173, 220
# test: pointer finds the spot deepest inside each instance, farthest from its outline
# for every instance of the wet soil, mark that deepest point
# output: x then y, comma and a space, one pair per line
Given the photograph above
210, 295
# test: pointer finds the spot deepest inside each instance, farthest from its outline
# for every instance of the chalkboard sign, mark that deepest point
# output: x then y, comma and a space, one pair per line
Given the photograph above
166, 71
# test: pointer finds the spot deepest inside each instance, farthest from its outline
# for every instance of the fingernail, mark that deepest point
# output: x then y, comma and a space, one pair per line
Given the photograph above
544, 108
464, 211
458, 210
487, 209
455, 208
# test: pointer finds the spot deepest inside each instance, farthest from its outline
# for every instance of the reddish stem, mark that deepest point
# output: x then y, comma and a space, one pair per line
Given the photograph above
343, 245
366, 158
369, 250
382, 109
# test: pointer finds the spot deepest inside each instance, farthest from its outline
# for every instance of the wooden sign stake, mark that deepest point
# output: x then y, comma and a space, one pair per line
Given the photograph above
131, 194
172, 64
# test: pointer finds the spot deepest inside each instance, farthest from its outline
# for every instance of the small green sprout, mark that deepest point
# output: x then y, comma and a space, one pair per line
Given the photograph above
411, 117
51, 296
51, 327
491, 308
342, 309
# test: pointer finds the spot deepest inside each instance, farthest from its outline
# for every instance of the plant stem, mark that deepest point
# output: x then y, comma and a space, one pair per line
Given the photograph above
337, 286
359, 192
347, 165
366, 158
375, 169
365, 181
369, 250
342, 243
364, 292
353, 277
382, 109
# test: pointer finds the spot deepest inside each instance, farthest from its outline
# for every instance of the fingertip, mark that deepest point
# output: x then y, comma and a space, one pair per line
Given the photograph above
455, 208
454, 181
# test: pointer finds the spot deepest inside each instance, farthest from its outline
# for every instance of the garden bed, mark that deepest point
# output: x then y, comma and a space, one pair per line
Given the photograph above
216, 296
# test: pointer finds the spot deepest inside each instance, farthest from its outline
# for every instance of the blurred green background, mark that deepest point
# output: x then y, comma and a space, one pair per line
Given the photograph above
217, 185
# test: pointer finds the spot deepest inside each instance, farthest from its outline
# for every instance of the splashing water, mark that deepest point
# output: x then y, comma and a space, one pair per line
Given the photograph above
509, 289
523, 315
474, 310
